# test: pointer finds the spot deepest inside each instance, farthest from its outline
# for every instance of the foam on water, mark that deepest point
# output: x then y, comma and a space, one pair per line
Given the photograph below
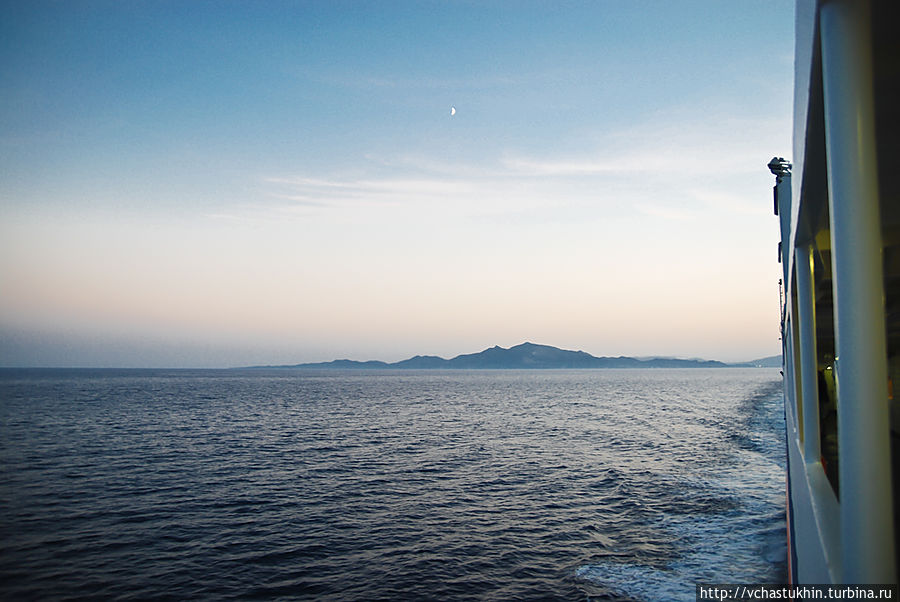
740, 541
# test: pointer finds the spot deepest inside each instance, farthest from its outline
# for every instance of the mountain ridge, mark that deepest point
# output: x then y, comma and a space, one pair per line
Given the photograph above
525, 356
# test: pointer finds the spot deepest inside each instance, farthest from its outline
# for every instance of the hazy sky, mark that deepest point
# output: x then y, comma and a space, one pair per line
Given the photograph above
231, 183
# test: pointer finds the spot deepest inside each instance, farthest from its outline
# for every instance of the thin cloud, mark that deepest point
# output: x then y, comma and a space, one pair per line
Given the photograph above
667, 213
300, 200
318, 191
434, 167
652, 168
670, 143
572, 167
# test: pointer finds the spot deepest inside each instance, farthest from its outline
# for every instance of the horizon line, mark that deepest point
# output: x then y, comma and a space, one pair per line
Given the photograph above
389, 364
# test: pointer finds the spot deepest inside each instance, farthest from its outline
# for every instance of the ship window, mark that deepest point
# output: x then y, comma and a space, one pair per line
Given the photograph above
796, 360
887, 125
828, 400
891, 255
886, 71
892, 324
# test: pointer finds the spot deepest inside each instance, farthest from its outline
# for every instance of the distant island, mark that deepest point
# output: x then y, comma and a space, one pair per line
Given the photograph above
527, 356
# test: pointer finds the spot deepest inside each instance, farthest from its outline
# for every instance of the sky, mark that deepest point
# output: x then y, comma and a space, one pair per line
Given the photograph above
215, 184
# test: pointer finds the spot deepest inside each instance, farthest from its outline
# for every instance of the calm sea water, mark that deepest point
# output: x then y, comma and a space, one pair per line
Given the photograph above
483, 485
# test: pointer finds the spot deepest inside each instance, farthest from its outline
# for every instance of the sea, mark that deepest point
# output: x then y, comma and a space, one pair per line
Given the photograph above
629, 485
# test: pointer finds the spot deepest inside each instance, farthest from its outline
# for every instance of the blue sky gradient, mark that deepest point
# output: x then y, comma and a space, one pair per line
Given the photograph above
228, 183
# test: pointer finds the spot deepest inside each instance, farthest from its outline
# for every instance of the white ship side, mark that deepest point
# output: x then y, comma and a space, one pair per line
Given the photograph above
839, 211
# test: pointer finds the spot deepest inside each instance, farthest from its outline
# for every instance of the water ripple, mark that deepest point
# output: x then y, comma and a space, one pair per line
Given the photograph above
427, 485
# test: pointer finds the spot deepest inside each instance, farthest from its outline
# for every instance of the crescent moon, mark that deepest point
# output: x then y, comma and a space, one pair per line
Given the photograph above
452, 111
